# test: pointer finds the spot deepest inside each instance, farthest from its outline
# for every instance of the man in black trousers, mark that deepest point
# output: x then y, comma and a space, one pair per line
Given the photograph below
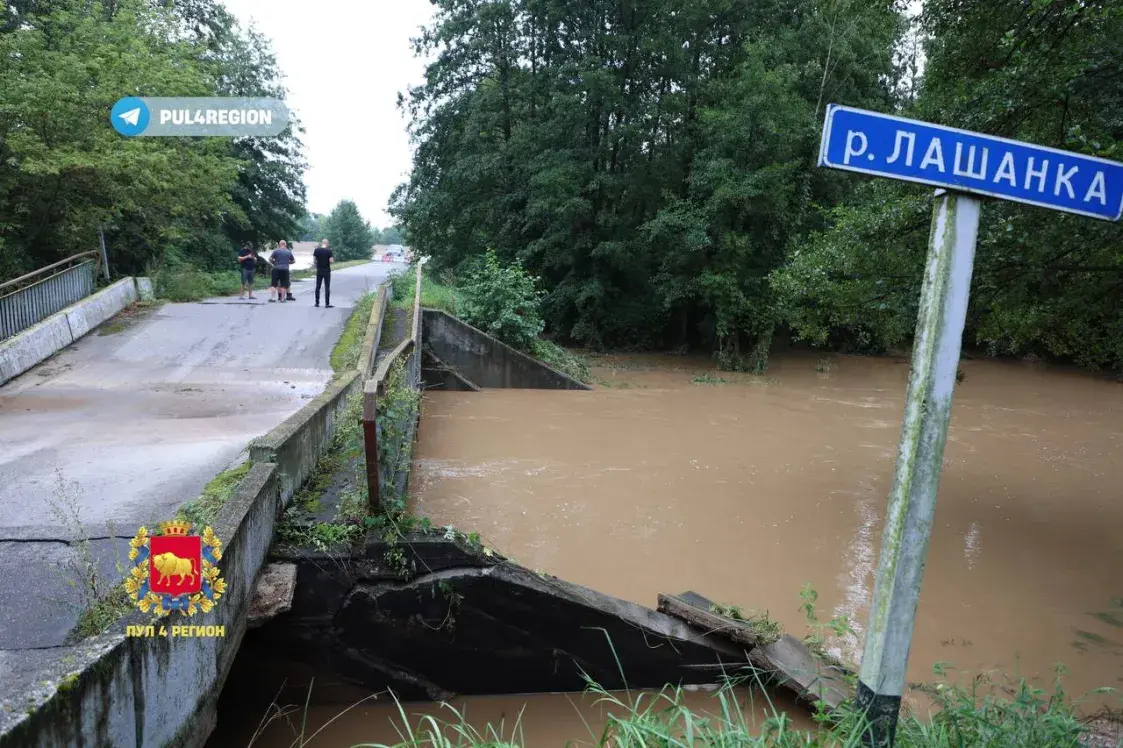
323, 258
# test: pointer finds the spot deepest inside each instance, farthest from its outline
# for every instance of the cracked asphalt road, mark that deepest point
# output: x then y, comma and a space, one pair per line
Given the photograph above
134, 419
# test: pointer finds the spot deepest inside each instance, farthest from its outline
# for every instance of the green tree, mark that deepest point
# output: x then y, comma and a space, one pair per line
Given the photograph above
65, 171
313, 227
389, 235
350, 236
1044, 283
649, 160
503, 301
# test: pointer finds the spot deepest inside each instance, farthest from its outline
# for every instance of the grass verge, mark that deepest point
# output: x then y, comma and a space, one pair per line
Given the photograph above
345, 354
204, 509
434, 294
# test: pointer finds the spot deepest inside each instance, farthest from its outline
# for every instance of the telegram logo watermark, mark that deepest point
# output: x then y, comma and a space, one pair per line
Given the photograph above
210, 117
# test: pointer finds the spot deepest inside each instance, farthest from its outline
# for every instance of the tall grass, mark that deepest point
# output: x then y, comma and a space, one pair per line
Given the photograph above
434, 294
982, 713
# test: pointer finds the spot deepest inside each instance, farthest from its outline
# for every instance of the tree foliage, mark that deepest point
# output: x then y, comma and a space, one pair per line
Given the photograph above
64, 170
389, 235
649, 159
313, 227
351, 237
503, 301
1048, 72
653, 161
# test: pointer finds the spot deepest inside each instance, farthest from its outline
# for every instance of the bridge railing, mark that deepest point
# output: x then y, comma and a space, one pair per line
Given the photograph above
30, 299
389, 424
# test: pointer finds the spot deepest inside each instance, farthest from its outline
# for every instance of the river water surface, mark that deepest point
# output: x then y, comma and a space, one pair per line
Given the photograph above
674, 477
546, 720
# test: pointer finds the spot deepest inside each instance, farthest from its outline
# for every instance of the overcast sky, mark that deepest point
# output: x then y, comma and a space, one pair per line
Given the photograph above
344, 63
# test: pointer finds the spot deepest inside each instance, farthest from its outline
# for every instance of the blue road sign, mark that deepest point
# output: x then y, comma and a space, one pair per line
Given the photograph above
886, 146
130, 116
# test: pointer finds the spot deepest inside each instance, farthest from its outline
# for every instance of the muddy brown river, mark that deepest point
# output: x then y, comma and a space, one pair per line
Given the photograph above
529, 720
673, 477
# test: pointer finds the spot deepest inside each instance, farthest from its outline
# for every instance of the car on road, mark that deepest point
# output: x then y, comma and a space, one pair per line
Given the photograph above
396, 253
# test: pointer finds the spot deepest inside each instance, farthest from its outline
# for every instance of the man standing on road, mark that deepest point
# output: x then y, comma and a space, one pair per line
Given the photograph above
282, 260
247, 258
323, 258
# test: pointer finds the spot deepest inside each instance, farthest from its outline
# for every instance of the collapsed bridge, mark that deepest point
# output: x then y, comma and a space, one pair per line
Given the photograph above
424, 614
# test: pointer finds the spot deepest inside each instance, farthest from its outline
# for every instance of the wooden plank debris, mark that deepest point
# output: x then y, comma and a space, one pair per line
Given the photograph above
787, 661
696, 610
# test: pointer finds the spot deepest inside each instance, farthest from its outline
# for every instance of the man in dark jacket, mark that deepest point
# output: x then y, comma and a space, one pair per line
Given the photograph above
247, 258
323, 258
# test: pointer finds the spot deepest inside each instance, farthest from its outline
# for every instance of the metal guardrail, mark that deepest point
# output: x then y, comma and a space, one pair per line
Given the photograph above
383, 477
30, 299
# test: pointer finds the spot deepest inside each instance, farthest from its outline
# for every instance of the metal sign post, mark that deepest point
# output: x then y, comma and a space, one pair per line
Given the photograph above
962, 164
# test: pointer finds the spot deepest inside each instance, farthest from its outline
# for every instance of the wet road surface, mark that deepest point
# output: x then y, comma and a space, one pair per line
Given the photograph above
125, 425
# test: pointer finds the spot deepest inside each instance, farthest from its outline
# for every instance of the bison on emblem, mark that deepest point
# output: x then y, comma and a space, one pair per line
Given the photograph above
169, 565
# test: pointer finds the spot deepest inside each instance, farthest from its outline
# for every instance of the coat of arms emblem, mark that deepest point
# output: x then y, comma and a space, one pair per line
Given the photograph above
175, 570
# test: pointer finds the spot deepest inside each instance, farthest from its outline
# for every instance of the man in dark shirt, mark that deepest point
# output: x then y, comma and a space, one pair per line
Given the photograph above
324, 259
282, 259
247, 258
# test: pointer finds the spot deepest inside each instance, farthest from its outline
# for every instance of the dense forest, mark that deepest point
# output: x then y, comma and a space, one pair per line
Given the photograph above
653, 163
162, 201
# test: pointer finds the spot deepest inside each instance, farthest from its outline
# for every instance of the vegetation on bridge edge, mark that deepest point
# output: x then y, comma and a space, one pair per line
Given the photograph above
503, 301
345, 354
203, 510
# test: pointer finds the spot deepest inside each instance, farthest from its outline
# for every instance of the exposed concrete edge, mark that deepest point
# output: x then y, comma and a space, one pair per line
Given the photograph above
112, 689
272, 594
467, 384
435, 557
637, 615
293, 446
374, 332
99, 307
39, 342
570, 382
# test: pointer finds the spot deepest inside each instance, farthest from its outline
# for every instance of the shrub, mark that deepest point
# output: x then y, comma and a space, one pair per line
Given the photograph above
188, 283
504, 302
